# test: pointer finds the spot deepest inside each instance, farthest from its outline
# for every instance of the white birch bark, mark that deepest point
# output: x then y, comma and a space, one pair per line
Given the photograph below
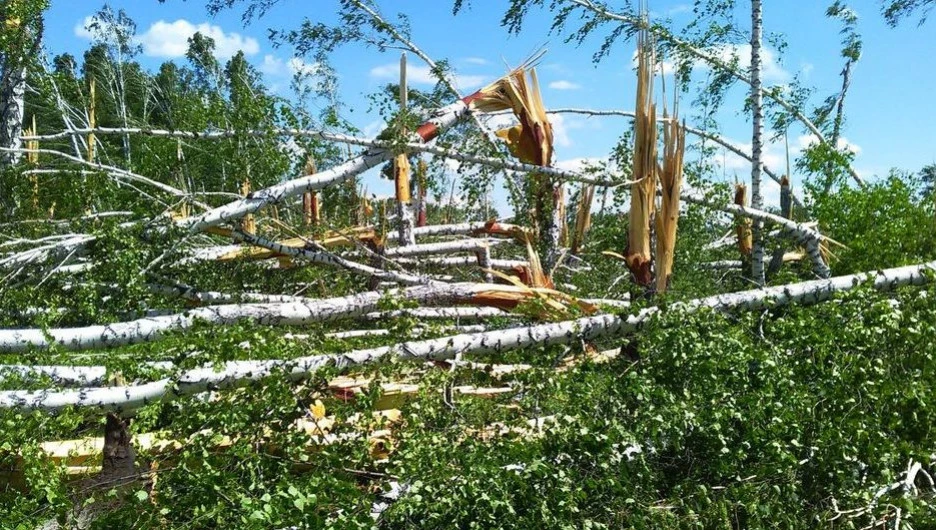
442, 119
74, 375
440, 313
803, 234
12, 106
327, 258
236, 373
464, 261
476, 228
757, 142
274, 314
637, 22
447, 247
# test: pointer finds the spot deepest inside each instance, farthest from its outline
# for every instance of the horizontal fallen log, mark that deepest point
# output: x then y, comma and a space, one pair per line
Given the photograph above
278, 314
64, 375
446, 247
445, 313
477, 228
463, 261
235, 373
324, 257
60, 375
380, 332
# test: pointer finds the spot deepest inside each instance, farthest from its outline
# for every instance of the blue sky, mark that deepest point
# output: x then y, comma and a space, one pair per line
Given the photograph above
890, 108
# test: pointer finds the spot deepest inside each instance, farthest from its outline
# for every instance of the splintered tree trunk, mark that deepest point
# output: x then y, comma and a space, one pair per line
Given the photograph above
639, 256
743, 223
674, 144
310, 199
582, 217
12, 100
757, 253
421, 170
401, 170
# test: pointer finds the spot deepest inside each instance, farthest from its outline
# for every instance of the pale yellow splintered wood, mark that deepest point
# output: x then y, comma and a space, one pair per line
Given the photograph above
745, 236
671, 176
247, 224
643, 191
81, 457
582, 216
401, 174
310, 199
92, 122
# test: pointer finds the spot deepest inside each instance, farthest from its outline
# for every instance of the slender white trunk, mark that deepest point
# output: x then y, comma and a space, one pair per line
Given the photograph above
12, 101
757, 145
276, 314
236, 373
443, 118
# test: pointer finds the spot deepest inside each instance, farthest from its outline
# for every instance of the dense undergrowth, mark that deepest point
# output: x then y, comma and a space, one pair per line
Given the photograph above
775, 419
734, 421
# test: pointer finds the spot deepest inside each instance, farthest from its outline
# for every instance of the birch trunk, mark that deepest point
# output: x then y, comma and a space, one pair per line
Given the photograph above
465, 261
274, 314
757, 146
712, 59
236, 373
12, 102
448, 247
442, 119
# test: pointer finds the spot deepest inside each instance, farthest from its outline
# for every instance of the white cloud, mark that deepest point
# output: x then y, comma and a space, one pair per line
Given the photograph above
274, 66
808, 140
470, 81
581, 163
562, 84
476, 60
771, 70
170, 39
422, 75
561, 125
666, 66
415, 74
372, 129
82, 29
678, 9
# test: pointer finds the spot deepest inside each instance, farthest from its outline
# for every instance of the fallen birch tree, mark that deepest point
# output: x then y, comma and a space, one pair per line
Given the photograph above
234, 373
276, 314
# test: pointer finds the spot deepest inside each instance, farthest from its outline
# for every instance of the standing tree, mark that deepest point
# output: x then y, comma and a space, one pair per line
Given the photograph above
20, 37
757, 141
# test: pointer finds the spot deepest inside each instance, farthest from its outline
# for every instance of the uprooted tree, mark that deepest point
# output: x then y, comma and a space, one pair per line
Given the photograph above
197, 264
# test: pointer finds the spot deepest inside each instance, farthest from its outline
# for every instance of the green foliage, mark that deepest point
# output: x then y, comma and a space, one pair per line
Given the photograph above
897, 10
704, 420
886, 224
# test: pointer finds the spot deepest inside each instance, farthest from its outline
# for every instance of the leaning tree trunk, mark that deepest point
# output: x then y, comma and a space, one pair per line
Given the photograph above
757, 254
12, 99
